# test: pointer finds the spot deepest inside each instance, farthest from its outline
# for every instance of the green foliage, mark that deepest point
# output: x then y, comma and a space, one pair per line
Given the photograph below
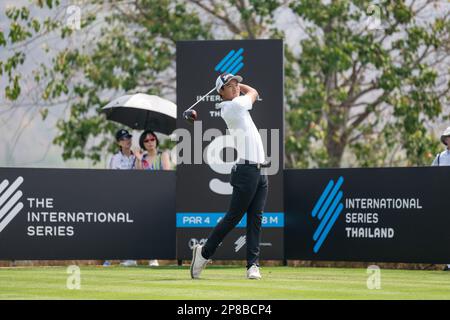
223, 283
12, 91
334, 115
354, 96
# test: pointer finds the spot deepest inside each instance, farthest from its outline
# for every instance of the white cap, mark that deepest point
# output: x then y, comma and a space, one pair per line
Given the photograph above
445, 134
224, 78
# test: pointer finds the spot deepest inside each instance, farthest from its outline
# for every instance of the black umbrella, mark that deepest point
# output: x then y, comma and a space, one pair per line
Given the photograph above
142, 111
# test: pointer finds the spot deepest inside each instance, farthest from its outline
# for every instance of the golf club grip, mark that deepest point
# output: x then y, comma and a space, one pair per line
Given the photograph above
200, 99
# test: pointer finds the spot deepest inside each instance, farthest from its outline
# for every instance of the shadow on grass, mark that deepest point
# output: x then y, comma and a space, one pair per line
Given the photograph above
175, 267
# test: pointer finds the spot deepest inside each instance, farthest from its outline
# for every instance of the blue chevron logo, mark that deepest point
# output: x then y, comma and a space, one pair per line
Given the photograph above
327, 210
231, 63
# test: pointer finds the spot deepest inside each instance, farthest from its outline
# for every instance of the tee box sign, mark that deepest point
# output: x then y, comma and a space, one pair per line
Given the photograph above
203, 186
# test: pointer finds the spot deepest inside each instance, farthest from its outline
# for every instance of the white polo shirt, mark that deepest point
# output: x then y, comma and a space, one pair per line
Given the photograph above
444, 159
241, 126
121, 161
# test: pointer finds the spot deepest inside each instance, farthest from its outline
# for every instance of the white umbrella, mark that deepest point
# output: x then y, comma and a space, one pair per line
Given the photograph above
142, 111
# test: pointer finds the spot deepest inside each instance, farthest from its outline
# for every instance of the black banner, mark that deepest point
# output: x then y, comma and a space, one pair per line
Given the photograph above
204, 188
233, 246
86, 214
373, 215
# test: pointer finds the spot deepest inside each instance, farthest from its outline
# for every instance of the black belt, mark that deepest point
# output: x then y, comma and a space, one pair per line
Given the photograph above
257, 165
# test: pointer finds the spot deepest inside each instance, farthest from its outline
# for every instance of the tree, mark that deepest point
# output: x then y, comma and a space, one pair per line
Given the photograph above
353, 95
134, 51
368, 92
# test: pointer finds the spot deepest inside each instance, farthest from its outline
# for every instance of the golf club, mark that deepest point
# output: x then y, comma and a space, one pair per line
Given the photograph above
191, 115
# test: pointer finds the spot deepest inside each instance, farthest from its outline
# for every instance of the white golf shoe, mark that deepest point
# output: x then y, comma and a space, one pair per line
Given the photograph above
198, 263
253, 273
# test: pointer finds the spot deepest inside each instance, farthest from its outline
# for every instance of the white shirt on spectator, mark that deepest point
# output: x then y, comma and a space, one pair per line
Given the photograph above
121, 161
241, 126
444, 159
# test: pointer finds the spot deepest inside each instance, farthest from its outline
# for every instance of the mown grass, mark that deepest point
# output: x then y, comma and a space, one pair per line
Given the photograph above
221, 283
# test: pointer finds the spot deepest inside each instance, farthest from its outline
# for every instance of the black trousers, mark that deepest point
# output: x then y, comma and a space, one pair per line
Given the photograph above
250, 189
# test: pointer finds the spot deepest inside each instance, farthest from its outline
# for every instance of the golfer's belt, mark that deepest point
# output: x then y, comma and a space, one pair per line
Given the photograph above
257, 165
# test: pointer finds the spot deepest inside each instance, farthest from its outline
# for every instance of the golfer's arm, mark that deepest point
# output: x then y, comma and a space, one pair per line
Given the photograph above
249, 91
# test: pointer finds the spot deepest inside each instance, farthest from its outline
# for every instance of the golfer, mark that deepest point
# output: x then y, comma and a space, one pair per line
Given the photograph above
250, 187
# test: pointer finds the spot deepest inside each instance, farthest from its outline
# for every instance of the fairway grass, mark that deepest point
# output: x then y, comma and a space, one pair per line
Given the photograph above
220, 283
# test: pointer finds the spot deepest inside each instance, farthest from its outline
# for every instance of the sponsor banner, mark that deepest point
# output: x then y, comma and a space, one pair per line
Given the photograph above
377, 214
234, 245
205, 151
210, 220
86, 214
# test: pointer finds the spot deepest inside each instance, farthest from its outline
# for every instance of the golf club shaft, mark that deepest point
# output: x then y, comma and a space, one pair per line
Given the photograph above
201, 99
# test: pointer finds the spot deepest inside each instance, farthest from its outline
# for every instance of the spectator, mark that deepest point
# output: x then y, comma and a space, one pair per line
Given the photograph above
123, 160
443, 159
151, 159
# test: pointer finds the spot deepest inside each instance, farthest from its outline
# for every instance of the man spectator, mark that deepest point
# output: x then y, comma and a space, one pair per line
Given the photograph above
443, 159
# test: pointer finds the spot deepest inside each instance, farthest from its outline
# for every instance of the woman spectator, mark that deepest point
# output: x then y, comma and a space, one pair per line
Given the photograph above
150, 158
